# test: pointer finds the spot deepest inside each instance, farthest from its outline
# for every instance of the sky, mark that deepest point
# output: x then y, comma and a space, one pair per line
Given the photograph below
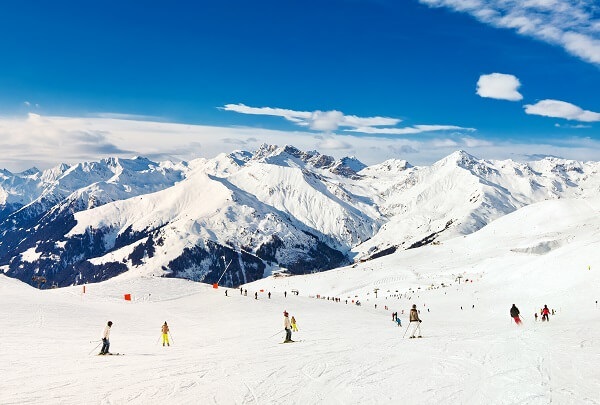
378, 79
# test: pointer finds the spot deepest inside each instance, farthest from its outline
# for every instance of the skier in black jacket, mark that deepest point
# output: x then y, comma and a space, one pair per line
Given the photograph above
514, 313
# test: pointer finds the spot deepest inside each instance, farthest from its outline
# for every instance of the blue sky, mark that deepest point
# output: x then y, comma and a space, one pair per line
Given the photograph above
415, 79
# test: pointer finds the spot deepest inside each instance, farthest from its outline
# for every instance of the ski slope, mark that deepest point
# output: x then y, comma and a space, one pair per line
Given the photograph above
226, 348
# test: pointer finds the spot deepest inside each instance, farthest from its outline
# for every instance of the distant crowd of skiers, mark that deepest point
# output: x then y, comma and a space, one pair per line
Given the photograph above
290, 325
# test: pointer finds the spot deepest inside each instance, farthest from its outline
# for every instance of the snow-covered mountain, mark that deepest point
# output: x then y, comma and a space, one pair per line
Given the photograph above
461, 194
240, 215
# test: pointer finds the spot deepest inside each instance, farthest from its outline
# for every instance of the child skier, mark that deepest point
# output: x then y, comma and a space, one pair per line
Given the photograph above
293, 323
165, 334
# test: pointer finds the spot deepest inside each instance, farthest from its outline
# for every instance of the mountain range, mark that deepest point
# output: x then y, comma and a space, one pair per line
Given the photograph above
238, 217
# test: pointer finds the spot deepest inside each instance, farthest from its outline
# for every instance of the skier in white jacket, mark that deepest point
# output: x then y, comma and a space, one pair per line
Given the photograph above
105, 338
288, 328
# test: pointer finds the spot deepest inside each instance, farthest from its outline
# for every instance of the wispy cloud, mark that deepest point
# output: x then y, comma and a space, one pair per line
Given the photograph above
561, 109
45, 141
416, 129
571, 24
334, 144
318, 120
499, 86
576, 126
330, 121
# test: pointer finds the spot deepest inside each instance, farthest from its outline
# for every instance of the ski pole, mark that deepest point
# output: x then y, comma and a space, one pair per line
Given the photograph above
278, 332
158, 340
95, 347
171, 336
407, 326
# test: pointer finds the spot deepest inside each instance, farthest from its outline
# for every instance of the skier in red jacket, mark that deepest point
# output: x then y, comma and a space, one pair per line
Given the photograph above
545, 313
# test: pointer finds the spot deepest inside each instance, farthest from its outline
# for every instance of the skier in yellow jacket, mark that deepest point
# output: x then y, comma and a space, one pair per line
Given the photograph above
293, 323
165, 334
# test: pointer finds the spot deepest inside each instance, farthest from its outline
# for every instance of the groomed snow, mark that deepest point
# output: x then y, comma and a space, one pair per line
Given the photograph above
226, 349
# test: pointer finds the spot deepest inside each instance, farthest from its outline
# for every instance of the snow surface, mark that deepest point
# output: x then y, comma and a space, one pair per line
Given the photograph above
226, 350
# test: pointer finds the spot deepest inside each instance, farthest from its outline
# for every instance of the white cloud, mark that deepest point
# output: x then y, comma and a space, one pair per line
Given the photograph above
334, 144
499, 86
570, 24
326, 121
416, 129
561, 109
45, 141
475, 142
576, 126
330, 121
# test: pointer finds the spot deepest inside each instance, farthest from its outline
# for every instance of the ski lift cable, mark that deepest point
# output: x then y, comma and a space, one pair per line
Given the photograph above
226, 267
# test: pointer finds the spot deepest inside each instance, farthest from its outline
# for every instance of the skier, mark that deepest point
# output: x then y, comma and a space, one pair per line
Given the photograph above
535, 314
165, 334
226, 293
293, 323
255, 295
269, 294
514, 313
545, 313
241, 291
414, 317
105, 341
285, 294
398, 321
288, 328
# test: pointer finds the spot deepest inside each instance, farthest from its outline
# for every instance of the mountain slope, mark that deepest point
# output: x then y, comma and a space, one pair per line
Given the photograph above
225, 349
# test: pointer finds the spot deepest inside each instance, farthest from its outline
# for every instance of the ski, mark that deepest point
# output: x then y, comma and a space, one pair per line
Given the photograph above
111, 354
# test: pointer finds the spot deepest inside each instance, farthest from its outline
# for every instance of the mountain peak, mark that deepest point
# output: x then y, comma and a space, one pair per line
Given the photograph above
462, 156
353, 163
288, 154
30, 172
458, 158
466, 161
